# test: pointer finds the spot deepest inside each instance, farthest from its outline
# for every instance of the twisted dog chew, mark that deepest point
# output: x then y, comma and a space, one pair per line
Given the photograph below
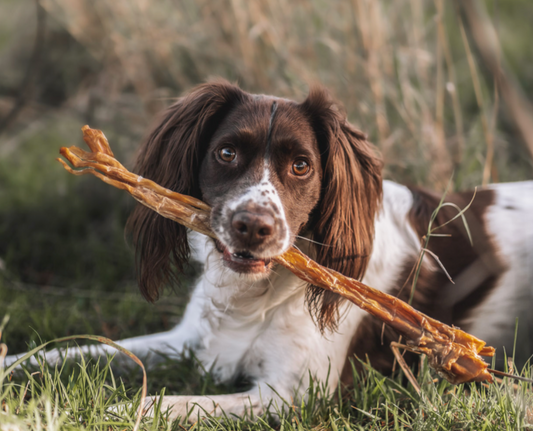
453, 353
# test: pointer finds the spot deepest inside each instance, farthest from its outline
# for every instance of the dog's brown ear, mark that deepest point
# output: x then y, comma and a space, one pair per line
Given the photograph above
343, 222
171, 156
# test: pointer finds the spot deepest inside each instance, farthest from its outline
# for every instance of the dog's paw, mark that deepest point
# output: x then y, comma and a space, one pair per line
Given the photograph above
192, 409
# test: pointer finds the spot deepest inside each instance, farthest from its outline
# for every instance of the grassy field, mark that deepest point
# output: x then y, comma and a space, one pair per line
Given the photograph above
409, 73
81, 395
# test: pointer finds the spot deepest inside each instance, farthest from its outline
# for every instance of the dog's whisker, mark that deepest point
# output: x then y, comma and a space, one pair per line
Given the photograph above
270, 282
274, 272
313, 241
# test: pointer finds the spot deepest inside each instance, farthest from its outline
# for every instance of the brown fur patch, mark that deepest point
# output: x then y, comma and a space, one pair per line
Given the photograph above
170, 156
474, 269
351, 195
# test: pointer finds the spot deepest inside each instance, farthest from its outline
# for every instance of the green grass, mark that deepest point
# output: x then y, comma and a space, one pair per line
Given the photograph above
80, 395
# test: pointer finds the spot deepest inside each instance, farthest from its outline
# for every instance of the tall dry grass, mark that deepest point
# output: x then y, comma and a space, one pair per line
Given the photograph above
397, 66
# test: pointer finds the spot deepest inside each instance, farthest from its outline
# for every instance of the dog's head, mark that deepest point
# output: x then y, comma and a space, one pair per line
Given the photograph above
272, 169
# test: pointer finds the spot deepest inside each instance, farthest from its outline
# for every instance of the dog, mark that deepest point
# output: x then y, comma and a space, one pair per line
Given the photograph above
279, 173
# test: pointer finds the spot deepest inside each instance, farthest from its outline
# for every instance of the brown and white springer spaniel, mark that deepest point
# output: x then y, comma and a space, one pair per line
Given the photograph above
276, 173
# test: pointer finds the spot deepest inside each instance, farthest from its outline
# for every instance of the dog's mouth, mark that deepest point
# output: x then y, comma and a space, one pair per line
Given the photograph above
243, 261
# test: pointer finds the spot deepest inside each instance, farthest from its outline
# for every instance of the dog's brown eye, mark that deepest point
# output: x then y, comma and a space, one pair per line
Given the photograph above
300, 168
227, 154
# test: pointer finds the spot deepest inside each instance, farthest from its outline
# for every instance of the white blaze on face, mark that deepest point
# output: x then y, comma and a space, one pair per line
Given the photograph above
260, 195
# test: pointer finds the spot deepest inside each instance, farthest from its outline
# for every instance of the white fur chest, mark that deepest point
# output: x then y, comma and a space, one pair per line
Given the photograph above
241, 316
263, 328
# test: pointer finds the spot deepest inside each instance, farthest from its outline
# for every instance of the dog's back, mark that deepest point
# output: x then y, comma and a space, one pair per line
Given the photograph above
510, 224
476, 273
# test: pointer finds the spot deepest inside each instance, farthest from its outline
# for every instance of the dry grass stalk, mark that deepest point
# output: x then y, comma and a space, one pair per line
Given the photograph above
487, 42
451, 87
487, 133
455, 354
403, 365
370, 27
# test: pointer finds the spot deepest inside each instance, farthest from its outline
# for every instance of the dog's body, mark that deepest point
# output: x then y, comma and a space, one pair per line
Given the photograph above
279, 173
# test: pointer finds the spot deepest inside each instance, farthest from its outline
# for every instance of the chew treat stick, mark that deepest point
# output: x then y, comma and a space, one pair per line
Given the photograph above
455, 354
186, 210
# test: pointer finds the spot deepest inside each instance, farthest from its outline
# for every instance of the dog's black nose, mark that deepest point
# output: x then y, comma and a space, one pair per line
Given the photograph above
252, 228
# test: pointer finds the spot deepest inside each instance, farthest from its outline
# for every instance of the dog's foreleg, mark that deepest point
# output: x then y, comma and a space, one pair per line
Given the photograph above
191, 408
146, 347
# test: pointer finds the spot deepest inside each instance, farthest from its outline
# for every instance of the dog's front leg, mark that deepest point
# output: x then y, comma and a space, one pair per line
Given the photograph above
145, 347
192, 408
175, 341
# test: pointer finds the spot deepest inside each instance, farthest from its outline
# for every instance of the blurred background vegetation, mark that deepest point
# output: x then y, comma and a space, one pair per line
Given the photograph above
408, 72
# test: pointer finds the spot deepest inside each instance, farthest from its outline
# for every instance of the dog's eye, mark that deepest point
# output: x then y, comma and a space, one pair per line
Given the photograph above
300, 168
227, 154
